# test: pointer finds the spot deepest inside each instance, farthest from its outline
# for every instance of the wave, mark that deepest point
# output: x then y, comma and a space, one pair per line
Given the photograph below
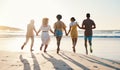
96, 34
102, 36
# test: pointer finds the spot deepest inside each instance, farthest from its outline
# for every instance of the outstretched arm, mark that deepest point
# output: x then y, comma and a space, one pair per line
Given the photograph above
54, 31
35, 30
65, 31
39, 30
79, 26
51, 31
83, 26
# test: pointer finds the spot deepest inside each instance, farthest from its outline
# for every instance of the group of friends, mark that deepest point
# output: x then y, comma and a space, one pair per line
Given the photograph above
59, 26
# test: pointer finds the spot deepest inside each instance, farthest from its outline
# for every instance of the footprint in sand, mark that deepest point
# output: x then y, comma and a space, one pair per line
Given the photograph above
13, 65
20, 65
95, 66
7, 56
3, 60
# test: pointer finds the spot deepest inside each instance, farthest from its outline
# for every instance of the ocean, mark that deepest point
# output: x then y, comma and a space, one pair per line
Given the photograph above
106, 43
96, 33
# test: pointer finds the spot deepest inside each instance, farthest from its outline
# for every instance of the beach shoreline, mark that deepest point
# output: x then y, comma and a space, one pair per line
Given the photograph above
102, 47
63, 61
104, 57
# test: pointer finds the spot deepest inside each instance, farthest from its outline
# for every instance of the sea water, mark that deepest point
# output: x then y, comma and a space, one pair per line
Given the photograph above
105, 43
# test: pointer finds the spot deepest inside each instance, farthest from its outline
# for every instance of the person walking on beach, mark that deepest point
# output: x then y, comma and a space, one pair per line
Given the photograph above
59, 26
30, 34
45, 37
73, 32
88, 25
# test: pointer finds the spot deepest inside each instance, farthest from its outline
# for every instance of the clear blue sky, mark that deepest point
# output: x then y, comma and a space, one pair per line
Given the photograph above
17, 13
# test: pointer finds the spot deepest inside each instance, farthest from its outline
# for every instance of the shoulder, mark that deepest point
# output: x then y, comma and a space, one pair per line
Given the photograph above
90, 19
62, 22
56, 23
85, 20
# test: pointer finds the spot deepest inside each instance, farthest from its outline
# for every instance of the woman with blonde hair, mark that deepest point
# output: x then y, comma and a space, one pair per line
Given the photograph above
45, 37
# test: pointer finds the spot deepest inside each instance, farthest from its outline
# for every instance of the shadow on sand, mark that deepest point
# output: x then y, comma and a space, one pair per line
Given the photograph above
73, 61
35, 62
25, 63
58, 64
90, 59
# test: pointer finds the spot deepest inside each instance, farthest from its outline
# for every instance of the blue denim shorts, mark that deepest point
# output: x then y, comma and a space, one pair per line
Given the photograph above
89, 38
58, 33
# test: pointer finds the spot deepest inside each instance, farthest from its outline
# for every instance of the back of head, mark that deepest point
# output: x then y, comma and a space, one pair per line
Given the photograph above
72, 19
59, 16
88, 15
45, 21
32, 21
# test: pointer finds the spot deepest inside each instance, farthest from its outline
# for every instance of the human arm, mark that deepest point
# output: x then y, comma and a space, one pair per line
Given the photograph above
93, 26
54, 31
65, 31
39, 30
51, 31
64, 28
35, 30
83, 25
79, 26
69, 30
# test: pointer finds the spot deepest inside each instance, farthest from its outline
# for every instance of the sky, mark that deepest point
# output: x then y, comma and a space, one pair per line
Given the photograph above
18, 13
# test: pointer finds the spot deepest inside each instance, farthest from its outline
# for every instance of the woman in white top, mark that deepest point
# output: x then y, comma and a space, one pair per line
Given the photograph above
45, 35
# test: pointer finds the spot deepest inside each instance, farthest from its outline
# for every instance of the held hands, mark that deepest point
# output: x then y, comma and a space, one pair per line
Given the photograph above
66, 34
36, 33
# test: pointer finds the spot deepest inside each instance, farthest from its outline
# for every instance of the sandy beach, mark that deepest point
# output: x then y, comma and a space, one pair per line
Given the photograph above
104, 57
52, 61
46, 20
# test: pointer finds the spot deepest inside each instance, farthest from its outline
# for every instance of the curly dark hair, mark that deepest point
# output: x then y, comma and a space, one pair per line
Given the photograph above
72, 19
59, 16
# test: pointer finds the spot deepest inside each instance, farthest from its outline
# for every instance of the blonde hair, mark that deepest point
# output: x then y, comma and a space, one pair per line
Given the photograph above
32, 21
45, 21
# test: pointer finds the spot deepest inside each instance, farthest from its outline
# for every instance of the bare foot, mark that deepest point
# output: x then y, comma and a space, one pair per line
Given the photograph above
58, 50
74, 49
31, 50
22, 47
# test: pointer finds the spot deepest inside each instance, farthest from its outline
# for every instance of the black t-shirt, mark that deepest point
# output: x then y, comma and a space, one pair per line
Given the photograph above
88, 24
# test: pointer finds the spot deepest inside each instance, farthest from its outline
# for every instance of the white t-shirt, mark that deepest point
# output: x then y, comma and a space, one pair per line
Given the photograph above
73, 23
45, 28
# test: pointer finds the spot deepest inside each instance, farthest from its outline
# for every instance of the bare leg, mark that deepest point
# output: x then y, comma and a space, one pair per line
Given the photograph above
90, 43
75, 41
27, 39
58, 43
32, 42
45, 48
86, 47
41, 46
